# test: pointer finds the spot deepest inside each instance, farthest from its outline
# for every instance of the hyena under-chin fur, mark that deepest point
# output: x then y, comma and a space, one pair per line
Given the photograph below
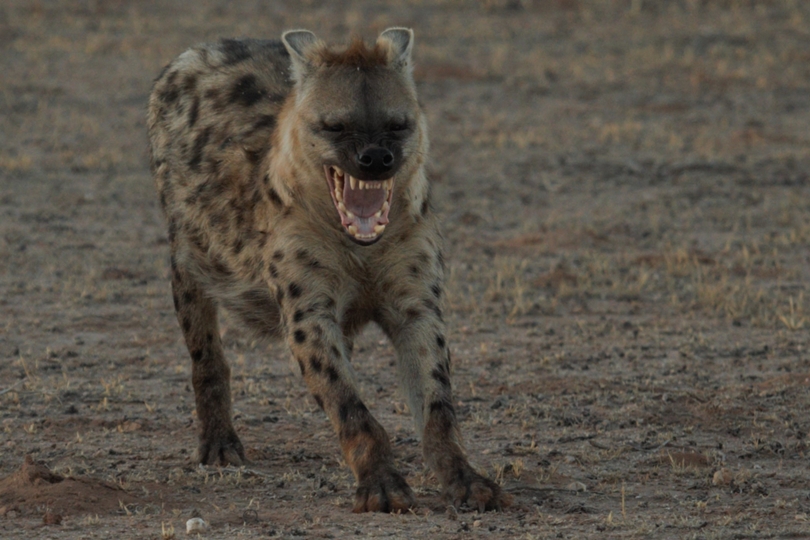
292, 177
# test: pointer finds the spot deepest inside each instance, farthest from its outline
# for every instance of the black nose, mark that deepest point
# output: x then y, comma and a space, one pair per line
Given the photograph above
375, 160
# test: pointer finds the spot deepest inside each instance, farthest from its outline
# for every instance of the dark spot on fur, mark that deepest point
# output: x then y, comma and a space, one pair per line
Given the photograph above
246, 91
441, 405
254, 156
299, 315
414, 270
332, 373
440, 341
273, 270
274, 198
196, 355
425, 207
266, 180
235, 51
300, 336
190, 83
316, 363
318, 400
188, 297
335, 352
209, 338
265, 121
197, 150
278, 256
441, 376
437, 291
431, 305
169, 95
295, 290
412, 314
237, 246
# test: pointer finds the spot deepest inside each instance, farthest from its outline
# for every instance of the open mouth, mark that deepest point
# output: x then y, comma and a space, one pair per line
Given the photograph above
363, 205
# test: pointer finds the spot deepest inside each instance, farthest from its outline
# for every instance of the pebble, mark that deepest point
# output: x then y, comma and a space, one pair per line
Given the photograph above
196, 525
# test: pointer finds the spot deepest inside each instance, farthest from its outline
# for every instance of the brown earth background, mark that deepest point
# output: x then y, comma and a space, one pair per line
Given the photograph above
624, 186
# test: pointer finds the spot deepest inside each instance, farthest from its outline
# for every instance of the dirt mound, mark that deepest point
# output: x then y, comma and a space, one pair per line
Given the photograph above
34, 488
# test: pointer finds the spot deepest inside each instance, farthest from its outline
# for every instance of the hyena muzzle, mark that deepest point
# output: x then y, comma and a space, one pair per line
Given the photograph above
292, 178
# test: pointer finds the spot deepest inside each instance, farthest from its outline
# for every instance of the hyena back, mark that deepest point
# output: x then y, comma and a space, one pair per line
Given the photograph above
292, 178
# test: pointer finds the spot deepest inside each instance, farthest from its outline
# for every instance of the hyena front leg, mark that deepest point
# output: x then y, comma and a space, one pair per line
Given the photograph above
418, 335
210, 374
317, 343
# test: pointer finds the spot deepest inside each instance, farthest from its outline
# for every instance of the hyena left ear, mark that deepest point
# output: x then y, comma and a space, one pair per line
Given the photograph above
298, 43
399, 42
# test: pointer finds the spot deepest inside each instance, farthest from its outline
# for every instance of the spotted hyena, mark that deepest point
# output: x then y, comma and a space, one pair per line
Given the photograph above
292, 177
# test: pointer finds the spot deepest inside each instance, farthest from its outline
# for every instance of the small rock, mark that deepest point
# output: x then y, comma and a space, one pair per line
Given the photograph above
723, 477
51, 519
576, 486
196, 525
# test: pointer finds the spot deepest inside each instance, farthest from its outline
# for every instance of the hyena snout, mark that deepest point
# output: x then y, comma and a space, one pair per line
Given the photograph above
375, 160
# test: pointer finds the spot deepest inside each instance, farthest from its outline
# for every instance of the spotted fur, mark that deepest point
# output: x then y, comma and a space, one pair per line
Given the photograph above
238, 148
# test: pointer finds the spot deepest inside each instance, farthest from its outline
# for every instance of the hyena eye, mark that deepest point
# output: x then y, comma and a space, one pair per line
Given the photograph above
334, 128
397, 126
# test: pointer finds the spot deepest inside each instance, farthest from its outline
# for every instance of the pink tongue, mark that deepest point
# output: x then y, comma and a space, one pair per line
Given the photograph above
363, 202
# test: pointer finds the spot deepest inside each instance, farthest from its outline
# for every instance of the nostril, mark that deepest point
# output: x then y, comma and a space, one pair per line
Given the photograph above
388, 159
365, 160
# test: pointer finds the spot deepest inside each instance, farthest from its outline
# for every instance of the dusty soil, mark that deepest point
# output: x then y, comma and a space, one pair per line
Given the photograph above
625, 192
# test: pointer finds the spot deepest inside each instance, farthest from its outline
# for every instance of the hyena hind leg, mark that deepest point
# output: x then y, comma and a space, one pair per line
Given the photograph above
210, 374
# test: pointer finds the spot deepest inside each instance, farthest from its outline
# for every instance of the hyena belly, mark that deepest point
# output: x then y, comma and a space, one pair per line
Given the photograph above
211, 116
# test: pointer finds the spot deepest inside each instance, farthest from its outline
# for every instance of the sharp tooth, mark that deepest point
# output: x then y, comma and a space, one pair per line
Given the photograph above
352, 230
361, 184
339, 195
379, 229
389, 184
342, 207
385, 207
353, 181
378, 214
338, 171
349, 214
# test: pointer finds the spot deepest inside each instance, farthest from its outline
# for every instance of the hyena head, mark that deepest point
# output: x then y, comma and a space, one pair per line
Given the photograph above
357, 130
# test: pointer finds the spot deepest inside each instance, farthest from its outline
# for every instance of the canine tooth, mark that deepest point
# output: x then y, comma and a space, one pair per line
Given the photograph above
352, 230
353, 181
379, 229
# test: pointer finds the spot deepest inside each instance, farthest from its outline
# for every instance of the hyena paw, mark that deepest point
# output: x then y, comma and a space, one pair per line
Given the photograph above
221, 448
477, 491
384, 491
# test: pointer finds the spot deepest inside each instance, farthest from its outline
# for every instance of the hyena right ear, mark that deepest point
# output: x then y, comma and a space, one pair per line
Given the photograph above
298, 43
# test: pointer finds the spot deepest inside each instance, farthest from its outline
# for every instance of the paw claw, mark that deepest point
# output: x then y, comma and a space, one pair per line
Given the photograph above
224, 449
385, 491
477, 492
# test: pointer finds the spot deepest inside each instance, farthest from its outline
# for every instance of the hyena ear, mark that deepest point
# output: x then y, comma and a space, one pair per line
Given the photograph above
399, 42
298, 43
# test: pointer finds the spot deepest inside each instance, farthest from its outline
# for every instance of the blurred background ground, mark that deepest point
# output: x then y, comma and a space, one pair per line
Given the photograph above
624, 186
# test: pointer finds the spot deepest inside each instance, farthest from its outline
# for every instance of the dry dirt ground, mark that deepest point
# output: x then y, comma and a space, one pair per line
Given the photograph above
624, 186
